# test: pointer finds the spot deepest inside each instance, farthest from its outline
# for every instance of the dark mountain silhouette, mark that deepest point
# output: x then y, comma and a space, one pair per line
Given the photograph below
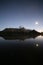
34, 32
18, 33
42, 33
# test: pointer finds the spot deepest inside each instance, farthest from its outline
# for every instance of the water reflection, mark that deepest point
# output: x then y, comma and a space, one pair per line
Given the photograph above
28, 39
19, 37
27, 48
37, 45
1, 38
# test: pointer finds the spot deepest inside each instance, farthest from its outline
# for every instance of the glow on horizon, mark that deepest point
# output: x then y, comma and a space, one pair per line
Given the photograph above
39, 30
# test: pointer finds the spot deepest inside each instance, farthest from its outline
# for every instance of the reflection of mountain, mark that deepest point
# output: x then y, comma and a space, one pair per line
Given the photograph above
17, 37
12, 34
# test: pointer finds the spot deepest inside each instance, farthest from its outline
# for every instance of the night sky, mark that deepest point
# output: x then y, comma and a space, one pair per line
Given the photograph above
25, 13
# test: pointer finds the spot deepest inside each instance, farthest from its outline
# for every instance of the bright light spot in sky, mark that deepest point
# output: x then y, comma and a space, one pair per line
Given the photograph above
36, 23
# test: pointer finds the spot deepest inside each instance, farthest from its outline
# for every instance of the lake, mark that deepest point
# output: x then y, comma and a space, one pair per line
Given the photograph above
22, 51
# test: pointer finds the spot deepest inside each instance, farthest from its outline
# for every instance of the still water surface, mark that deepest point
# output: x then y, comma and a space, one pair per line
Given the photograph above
32, 41
28, 50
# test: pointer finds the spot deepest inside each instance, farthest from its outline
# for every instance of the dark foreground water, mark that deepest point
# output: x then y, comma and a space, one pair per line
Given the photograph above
28, 51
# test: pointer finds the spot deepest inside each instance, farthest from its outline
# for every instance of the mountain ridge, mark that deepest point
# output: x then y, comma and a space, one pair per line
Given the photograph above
18, 31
